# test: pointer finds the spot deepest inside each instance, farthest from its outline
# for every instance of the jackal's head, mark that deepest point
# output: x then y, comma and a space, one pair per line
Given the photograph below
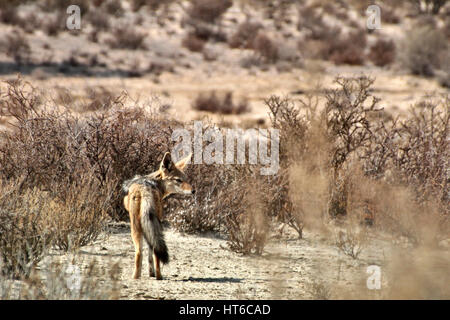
172, 176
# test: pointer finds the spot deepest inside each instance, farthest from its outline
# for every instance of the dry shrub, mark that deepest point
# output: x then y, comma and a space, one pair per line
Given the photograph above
376, 157
16, 45
51, 5
330, 44
64, 97
48, 146
153, 5
351, 240
114, 7
265, 47
348, 131
38, 148
207, 32
293, 126
286, 117
308, 191
403, 185
94, 280
127, 37
210, 54
193, 43
250, 210
265, 50
428, 6
31, 23
67, 217
396, 210
159, 67
411, 199
234, 200
348, 49
8, 3
422, 157
43, 152
136, 5
278, 11
344, 150
99, 19
311, 20
423, 50
319, 290
98, 3
289, 57
74, 279
352, 160
444, 78
8, 15
78, 215
256, 201
251, 60
245, 35
313, 49
202, 212
54, 23
212, 103
348, 108
343, 161
24, 237
208, 10
338, 10
119, 145
246, 220
278, 201
52, 26
382, 52
389, 15
204, 17
11, 14
101, 99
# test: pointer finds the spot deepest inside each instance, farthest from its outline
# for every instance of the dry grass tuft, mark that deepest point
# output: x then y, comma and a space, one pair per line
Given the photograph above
211, 102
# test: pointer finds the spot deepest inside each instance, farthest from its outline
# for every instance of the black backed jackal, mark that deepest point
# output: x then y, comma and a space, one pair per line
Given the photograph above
144, 204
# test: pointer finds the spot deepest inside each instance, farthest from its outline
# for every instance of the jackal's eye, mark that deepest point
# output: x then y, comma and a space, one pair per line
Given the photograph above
178, 180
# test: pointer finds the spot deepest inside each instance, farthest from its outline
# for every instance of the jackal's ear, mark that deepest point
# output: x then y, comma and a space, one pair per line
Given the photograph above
181, 164
166, 163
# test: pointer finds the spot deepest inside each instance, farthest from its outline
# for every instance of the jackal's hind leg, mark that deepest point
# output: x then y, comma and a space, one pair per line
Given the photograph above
157, 268
151, 269
137, 239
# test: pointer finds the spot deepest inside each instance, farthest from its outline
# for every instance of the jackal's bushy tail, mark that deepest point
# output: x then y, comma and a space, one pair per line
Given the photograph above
152, 230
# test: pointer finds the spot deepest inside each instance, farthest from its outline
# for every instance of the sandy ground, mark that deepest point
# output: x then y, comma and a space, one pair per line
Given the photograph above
202, 267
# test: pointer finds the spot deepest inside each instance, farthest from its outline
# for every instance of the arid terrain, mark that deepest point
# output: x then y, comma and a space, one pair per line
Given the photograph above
202, 267
162, 58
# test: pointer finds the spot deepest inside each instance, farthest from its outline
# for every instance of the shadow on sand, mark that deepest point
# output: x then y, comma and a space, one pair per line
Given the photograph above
219, 280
